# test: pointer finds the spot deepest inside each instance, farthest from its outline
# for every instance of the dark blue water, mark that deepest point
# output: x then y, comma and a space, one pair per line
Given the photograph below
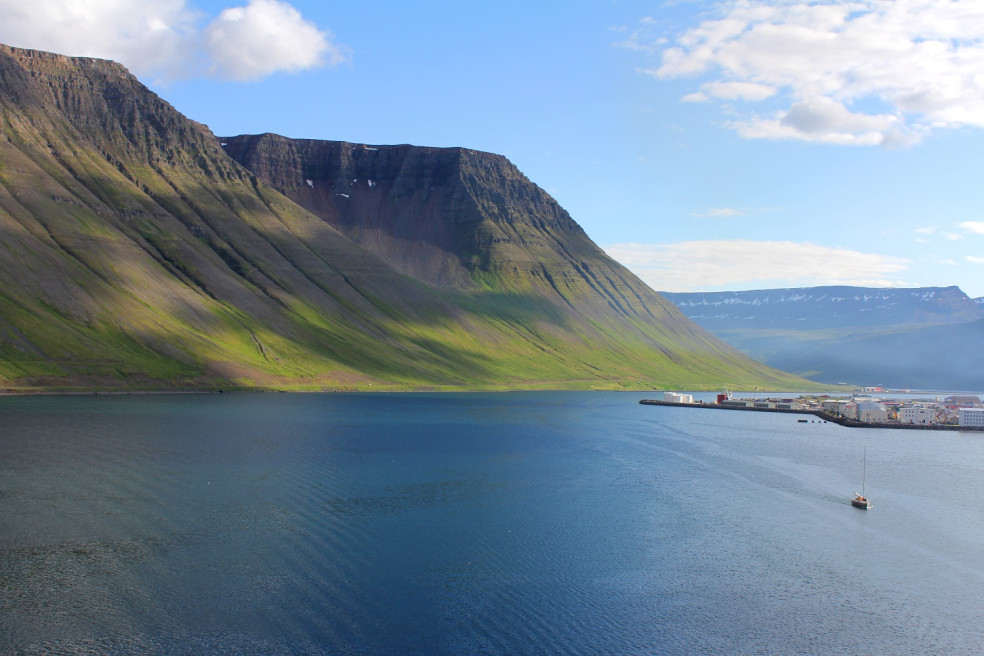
519, 523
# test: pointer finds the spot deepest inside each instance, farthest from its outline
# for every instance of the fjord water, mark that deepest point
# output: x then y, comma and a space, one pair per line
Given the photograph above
510, 523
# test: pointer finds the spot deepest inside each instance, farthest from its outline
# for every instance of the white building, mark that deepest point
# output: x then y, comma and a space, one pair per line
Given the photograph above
677, 397
872, 412
917, 414
971, 416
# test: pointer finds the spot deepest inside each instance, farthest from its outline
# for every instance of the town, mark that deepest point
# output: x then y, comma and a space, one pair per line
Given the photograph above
954, 411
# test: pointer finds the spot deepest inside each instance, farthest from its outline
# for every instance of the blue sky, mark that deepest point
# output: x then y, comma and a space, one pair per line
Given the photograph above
705, 145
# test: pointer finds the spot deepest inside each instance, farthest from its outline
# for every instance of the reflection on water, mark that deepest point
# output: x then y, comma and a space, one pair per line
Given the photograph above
565, 523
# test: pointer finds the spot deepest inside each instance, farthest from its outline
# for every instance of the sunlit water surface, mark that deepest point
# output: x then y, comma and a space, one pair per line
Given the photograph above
512, 523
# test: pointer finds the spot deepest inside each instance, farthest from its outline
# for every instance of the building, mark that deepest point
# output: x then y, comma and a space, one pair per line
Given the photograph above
971, 417
841, 407
917, 414
677, 397
872, 412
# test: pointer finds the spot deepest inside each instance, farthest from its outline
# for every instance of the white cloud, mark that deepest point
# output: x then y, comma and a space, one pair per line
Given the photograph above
142, 35
718, 211
824, 120
976, 260
739, 90
164, 39
857, 72
264, 37
976, 227
715, 212
698, 97
737, 264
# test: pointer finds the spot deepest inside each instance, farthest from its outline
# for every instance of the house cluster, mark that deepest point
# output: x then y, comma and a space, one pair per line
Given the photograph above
957, 410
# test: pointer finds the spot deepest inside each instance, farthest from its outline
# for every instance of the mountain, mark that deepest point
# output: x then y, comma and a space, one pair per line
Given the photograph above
919, 338
828, 307
136, 253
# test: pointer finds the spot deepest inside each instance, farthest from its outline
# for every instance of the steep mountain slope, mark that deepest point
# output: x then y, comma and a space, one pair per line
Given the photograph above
134, 252
924, 338
467, 222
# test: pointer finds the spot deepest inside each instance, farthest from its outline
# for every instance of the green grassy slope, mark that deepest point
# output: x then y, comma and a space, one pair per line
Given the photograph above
135, 254
472, 223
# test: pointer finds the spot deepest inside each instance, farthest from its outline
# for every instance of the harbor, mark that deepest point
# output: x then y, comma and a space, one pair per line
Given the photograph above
961, 413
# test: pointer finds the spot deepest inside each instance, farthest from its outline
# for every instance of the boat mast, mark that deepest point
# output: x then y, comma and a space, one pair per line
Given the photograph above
864, 469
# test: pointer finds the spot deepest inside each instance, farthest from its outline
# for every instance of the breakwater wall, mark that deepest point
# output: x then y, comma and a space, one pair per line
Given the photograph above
822, 414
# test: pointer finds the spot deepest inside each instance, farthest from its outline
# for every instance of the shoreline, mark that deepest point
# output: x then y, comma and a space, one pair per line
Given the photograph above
826, 416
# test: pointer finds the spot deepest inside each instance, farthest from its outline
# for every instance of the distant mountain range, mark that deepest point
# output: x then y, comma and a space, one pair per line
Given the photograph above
139, 251
921, 338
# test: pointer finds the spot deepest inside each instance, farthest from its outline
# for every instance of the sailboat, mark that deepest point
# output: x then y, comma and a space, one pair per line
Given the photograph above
859, 500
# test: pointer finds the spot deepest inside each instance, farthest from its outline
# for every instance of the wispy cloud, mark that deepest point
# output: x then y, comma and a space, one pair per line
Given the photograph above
976, 227
170, 39
726, 212
737, 264
975, 260
718, 212
748, 91
859, 72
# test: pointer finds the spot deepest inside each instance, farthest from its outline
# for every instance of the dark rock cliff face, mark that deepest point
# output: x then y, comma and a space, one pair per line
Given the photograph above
400, 202
135, 252
443, 215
